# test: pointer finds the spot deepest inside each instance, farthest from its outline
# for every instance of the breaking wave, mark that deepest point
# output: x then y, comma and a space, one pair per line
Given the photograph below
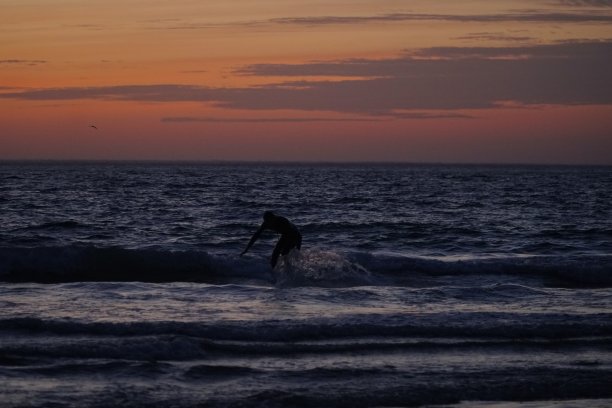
310, 267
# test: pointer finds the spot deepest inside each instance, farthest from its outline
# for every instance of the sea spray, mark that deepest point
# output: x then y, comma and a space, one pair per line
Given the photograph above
318, 267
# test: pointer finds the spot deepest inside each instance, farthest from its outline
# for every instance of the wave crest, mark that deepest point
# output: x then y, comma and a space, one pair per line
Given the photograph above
316, 267
83, 264
309, 267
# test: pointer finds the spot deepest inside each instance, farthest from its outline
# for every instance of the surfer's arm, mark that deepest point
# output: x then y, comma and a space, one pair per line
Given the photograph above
253, 239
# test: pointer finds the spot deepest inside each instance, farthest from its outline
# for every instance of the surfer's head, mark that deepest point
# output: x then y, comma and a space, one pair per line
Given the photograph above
268, 215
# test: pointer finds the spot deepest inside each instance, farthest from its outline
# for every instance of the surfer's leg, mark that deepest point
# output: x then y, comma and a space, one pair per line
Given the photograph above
278, 250
274, 258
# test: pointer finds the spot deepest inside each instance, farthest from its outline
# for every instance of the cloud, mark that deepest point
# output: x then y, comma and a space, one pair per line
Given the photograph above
430, 115
186, 119
527, 16
531, 17
390, 115
432, 79
453, 78
494, 37
94, 27
149, 93
21, 62
434, 61
568, 50
586, 3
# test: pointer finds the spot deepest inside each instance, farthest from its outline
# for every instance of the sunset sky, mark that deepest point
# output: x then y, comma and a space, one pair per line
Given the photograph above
505, 81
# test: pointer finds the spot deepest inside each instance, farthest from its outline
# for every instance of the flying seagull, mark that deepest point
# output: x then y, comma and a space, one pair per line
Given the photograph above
92, 126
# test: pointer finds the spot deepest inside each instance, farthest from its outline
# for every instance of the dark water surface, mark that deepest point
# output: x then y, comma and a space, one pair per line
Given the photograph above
121, 285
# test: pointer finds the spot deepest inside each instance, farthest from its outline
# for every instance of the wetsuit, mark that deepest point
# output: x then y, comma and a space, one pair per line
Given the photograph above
290, 236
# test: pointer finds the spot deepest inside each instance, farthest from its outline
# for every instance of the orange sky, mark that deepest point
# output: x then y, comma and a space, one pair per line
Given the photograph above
364, 80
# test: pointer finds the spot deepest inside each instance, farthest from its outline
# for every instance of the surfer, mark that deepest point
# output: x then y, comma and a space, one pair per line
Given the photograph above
290, 235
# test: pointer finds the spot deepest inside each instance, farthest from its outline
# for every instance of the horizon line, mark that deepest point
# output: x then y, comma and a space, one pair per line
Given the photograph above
295, 162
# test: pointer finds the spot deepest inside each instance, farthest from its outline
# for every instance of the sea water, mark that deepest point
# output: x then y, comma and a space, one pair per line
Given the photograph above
121, 284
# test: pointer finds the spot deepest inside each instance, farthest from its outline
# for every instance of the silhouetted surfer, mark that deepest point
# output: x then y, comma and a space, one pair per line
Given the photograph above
290, 235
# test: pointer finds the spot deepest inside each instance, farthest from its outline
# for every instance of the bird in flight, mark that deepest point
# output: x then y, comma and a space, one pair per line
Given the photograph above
92, 126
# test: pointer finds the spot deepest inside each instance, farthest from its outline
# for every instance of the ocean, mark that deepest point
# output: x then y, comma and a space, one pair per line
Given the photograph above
122, 285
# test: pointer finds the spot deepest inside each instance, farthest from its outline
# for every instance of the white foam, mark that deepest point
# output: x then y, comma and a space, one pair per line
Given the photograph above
317, 267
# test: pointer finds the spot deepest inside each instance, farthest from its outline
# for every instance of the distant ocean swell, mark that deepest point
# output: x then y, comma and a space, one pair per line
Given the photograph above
312, 267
